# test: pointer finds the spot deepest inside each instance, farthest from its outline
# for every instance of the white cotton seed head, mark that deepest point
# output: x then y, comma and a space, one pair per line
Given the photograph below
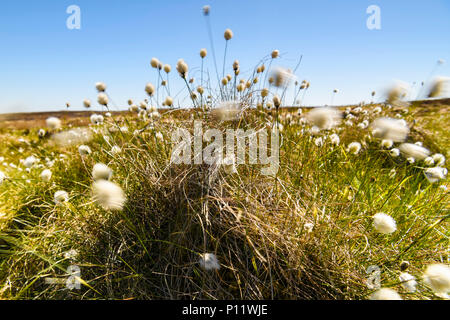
182, 68
408, 281
41, 133
53, 123
46, 175
108, 194
154, 62
394, 152
2, 177
72, 137
318, 141
308, 227
324, 118
100, 86
150, 89
226, 111
155, 115
96, 119
276, 101
390, 129
168, 101
439, 159
384, 223
428, 161
61, 197
159, 136
354, 147
101, 171
437, 277
385, 294
314, 130
71, 254
387, 144
84, 150
377, 110
334, 139
363, 124
30, 161
282, 77
143, 105
228, 34
396, 93
209, 261
435, 174
275, 54
116, 150
439, 87
87, 103
102, 99
411, 150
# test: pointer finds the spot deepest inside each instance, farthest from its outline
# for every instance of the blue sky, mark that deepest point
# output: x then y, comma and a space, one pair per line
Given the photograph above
43, 64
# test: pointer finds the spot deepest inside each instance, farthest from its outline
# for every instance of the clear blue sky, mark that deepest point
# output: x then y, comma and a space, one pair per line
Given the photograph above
43, 64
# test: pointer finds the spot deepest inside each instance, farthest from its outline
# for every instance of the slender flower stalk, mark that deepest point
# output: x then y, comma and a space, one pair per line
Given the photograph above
208, 25
227, 35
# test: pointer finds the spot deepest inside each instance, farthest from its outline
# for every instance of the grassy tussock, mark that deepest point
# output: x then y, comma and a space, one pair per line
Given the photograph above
254, 224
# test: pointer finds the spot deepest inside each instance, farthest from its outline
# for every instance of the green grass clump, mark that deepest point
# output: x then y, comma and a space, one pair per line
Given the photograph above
258, 226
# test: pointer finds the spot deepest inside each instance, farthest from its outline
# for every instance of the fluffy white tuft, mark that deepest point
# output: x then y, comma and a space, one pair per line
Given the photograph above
84, 150
435, 174
324, 118
116, 150
354, 147
411, 150
53, 123
2, 177
408, 281
387, 144
108, 194
437, 277
439, 159
46, 175
394, 152
390, 129
384, 223
209, 261
72, 137
101, 171
30, 161
385, 294
61, 197
334, 139
100, 86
